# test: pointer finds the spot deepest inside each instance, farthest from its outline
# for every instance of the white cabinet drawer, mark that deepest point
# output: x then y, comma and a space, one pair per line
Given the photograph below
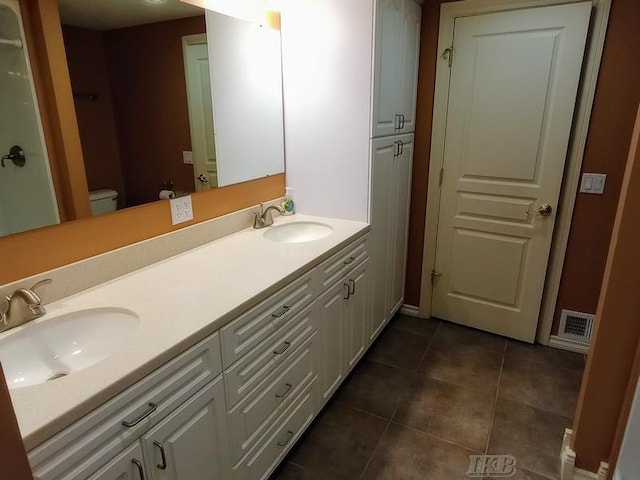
286, 430
334, 268
102, 433
248, 330
247, 373
249, 419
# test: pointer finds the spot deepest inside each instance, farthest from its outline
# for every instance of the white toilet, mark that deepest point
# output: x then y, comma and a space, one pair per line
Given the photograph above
103, 201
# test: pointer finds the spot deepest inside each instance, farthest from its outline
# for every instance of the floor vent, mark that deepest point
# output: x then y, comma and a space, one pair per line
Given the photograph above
576, 326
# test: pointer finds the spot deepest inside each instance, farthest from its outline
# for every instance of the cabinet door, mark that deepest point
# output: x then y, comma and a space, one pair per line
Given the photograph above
192, 442
126, 466
401, 179
382, 211
357, 314
331, 340
409, 55
387, 65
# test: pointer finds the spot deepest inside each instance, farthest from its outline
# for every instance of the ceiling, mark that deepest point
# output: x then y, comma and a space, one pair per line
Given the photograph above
112, 14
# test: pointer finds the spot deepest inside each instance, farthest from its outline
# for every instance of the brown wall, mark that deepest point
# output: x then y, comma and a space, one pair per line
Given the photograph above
606, 151
96, 118
15, 465
617, 331
146, 70
612, 119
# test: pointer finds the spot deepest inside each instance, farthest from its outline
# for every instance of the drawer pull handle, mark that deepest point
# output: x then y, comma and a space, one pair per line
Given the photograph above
152, 408
352, 288
282, 348
285, 391
284, 309
285, 441
163, 465
347, 291
349, 260
138, 464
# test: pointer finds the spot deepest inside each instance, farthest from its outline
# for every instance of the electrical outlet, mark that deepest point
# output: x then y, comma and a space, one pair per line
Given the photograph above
187, 158
181, 209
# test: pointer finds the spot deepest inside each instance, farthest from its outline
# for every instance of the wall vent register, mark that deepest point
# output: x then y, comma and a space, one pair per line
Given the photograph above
576, 326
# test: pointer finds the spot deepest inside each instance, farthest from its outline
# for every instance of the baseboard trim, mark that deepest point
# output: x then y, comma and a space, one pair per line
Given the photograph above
568, 469
570, 345
409, 310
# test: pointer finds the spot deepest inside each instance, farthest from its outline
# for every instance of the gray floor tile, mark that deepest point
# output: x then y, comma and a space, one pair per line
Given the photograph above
340, 444
288, 471
531, 435
405, 454
375, 388
450, 334
420, 326
542, 377
457, 414
399, 348
469, 359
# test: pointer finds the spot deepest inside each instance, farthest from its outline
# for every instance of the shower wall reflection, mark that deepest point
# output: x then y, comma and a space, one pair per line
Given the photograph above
27, 197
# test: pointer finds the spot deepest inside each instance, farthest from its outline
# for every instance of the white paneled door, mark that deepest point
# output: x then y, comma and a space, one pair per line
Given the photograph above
514, 81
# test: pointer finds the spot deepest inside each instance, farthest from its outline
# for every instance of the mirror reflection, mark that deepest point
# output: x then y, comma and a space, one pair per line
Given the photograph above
169, 99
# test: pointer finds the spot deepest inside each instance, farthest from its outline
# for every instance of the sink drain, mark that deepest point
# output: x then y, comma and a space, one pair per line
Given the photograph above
56, 376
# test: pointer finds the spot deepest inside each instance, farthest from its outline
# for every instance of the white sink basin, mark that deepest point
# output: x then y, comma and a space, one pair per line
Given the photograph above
59, 346
298, 232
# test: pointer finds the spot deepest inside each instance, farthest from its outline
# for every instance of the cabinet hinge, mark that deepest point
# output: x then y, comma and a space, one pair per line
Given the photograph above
435, 275
441, 176
448, 55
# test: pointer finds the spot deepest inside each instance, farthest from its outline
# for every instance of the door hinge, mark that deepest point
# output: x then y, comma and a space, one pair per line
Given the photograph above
441, 176
435, 275
448, 55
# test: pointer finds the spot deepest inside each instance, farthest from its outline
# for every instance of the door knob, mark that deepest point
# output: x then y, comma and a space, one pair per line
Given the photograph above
203, 178
545, 210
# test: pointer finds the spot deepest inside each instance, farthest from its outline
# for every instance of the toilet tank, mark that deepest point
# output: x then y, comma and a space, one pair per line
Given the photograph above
103, 201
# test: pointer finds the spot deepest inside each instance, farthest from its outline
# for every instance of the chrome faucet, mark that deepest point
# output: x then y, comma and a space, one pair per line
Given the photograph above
265, 217
21, 307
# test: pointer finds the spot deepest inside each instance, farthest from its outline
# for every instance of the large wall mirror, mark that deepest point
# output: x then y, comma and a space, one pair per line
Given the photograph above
168, 98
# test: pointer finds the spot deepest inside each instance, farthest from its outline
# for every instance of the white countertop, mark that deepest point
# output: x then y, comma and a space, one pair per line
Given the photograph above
180, 301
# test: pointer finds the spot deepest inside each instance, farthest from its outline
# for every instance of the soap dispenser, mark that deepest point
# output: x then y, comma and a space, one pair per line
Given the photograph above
287, 202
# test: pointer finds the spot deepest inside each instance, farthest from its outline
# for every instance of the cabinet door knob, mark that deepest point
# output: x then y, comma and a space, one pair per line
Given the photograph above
347, 292
401, 121
352, 288
138, 464
163, 457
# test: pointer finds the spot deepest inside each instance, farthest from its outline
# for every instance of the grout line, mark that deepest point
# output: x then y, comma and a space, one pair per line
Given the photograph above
495, 401
414, 373
445, 440
371, 414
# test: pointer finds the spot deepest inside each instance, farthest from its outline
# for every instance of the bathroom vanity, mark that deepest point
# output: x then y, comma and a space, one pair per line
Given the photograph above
239, 344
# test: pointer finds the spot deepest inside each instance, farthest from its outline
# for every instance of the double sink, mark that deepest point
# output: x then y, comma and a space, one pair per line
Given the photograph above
54, 347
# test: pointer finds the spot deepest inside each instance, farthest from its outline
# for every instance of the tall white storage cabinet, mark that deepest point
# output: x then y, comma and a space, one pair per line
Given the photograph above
397, 45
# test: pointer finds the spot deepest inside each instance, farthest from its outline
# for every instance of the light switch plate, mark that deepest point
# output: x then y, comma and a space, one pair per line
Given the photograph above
187, 158
593, 183
181, 209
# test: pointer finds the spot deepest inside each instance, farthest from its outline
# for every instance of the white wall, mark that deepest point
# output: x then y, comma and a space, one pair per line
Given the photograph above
327, 63
27, 199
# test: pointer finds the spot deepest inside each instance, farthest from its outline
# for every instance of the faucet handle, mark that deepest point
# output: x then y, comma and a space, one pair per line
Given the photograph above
4, 310
41, 283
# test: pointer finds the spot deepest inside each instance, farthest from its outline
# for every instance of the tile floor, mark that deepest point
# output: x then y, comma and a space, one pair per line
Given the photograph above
428, 395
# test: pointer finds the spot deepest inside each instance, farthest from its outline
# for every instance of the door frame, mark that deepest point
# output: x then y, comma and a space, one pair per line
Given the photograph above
580, 128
